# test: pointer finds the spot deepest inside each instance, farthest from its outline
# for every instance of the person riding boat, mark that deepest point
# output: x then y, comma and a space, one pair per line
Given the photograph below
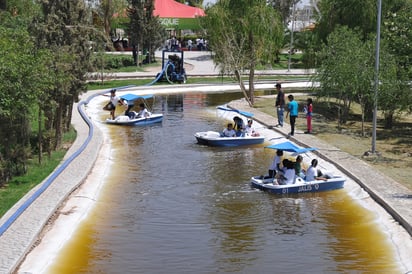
239, 126
143, 112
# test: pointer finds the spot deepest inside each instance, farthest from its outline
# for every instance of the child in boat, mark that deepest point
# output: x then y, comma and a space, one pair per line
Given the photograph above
143, 113
239, 126
287, 176
298, 167
229, 131
250, 130
129, 112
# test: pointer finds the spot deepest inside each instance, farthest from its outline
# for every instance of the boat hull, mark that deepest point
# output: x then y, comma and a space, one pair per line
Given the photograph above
300, 186
125, 121
212, 138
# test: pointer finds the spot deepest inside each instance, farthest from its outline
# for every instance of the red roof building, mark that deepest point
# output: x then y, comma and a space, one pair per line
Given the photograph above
173, 9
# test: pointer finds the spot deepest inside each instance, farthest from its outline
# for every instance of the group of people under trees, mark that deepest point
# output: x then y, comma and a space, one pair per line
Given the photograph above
175, 44
116, 100
292, 109
286, 171
239, 129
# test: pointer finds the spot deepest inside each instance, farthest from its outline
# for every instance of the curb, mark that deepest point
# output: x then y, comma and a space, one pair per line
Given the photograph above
26, 220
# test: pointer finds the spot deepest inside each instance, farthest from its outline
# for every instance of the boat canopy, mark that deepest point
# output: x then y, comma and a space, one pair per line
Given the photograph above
134, 97
244, 113
291, 147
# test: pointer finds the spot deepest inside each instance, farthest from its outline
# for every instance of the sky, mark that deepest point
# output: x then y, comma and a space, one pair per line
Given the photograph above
206, 2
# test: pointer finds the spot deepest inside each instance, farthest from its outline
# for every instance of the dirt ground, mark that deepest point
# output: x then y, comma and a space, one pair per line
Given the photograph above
393, 146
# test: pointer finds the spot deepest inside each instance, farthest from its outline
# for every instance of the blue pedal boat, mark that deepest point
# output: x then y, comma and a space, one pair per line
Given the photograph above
300, 185
213, 138
266, 183
136, 121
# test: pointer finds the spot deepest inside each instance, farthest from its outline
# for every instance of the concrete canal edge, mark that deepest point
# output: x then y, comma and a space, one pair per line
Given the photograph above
39, 208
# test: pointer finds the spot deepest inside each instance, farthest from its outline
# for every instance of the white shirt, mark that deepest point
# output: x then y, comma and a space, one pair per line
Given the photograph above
311, 174
289, 174
229, 133
249, 130
277, 160
144, 113
114, 100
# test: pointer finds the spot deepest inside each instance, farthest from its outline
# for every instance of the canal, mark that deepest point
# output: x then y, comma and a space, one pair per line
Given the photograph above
170, 205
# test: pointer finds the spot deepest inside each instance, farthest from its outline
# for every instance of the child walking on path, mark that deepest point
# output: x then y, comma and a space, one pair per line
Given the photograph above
308, 111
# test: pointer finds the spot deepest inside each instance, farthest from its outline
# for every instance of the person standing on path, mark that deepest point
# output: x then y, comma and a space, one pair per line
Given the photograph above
308, 111
280, 104
292, 113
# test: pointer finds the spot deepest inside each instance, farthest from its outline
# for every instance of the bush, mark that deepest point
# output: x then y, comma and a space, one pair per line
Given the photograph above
112, 61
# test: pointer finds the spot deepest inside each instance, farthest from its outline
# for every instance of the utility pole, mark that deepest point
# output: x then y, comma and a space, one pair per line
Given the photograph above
375, 103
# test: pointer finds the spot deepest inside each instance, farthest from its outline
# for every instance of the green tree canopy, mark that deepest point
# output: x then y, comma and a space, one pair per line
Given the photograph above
242, 34
145, 30
346, 69
66, 30
350, 13
23, 76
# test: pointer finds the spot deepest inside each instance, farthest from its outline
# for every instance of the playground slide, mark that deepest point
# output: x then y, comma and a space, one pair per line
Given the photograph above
161, 74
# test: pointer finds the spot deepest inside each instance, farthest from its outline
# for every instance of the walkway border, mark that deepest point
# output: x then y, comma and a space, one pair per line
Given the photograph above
21, 226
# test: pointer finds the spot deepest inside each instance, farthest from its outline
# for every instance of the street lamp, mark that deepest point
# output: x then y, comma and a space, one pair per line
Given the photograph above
375, 103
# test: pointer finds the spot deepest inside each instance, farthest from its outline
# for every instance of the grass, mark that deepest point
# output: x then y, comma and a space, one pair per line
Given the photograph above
135, 68
16, 188
394, 145
191, 80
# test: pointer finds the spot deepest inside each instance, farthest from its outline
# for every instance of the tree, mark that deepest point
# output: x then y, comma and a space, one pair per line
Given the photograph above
23, 75
135, 12
64, 29
243, 34
145, 30
350, 13
103, 12
346, 70
397, 36
285, 8
396, 51
22, 8
154, 32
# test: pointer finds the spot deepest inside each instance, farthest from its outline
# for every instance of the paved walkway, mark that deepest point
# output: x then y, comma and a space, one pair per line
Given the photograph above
23, 233
200, 64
